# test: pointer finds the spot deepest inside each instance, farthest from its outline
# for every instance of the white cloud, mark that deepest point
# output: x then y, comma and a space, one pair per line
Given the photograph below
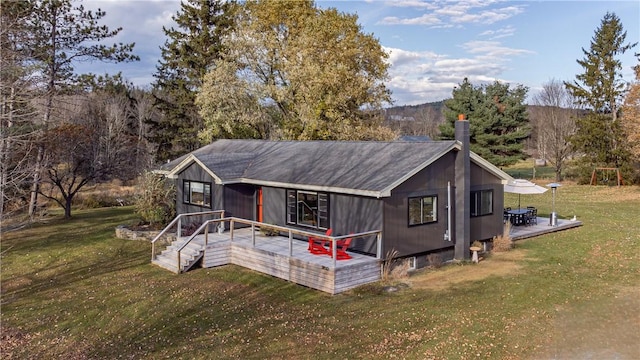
450, 14
422, 76
493, 49
499, 34
426, 19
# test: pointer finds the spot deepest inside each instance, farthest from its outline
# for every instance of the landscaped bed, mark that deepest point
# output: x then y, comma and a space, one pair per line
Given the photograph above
71, 289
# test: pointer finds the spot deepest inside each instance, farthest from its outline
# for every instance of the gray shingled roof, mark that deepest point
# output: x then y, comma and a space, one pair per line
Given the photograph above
370, 168
365, 168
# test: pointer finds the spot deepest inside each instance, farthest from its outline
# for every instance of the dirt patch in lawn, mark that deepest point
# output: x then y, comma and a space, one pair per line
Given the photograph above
597, 329
499, 264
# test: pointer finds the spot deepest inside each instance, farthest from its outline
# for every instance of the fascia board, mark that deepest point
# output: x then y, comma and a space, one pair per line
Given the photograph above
186, 162
387, 191
490, 167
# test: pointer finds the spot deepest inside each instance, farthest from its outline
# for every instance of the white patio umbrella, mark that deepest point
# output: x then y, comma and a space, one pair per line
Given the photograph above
522, 186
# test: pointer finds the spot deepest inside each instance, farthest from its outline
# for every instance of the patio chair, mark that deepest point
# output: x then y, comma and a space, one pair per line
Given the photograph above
341, 249
317, 246
532, 215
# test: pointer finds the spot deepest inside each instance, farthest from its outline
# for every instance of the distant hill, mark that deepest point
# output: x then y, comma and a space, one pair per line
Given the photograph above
414, 112
416, 120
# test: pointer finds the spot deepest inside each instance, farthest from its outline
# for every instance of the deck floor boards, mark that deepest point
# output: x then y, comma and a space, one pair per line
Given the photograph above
271, 255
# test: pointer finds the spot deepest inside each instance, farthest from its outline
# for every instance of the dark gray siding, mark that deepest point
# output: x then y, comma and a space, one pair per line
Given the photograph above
274, 206
487, 226
240, 201
195, 173
409, 240
353, 214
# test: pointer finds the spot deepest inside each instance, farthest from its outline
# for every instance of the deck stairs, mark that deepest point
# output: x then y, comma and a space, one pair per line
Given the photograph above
189, 256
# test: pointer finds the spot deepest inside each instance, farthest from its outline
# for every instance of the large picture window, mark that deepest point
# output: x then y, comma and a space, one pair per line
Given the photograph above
197, 193
481, 202
308, 208
423, 210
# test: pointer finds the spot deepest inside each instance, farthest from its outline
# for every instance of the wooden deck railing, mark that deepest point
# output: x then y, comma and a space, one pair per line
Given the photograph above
290, 231
178, 221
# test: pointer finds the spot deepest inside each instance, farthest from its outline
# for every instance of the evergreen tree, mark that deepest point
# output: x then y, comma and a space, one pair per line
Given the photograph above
59, 36
186, 55
498, 120
600, 90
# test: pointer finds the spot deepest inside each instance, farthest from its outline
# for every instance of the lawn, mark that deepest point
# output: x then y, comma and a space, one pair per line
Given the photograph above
71, 290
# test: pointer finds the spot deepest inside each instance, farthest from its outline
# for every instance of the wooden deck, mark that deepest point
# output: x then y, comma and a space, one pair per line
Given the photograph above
272, 255
541, 228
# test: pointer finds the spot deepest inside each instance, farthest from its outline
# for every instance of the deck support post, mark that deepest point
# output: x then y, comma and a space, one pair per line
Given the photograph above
206, 235
379, 246
290, 243
231, 225
253, 235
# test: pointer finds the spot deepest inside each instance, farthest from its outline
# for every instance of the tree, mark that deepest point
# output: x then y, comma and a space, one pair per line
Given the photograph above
600, 89
187, 54
498, 120
61, 35
17, 113
631, 114
300, 72
72, 161
555, 124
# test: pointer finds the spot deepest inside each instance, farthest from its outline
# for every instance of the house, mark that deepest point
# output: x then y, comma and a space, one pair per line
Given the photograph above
425, 196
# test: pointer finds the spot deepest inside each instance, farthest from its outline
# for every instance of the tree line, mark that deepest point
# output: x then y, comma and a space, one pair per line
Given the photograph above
264, 70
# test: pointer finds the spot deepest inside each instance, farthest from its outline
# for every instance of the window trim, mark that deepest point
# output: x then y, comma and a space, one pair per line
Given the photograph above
323, 222
187, 193
476, 199
421, 198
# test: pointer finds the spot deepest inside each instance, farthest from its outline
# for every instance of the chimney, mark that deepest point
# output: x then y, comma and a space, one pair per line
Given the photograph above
463, 191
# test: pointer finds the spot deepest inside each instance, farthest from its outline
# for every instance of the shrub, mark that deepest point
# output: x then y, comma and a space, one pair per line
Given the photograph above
503, 242
190, 228
155, 199
400, 270
387, 264
269, 231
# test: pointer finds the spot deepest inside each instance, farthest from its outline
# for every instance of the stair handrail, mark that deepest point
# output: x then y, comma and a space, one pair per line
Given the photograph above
178, 220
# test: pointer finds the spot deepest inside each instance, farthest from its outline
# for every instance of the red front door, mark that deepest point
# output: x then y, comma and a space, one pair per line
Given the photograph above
259, 204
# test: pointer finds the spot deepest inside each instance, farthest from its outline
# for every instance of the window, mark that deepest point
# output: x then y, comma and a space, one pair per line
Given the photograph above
423, 210
308, 208
197, 193
481, 202
412, 263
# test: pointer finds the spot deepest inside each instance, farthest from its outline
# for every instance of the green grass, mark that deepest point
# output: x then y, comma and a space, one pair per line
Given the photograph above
70, 289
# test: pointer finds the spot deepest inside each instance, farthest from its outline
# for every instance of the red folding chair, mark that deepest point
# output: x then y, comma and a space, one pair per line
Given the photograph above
341, 249
317, 246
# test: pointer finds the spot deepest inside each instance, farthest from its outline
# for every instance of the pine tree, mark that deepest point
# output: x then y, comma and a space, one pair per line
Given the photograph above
600, 90
60, 36
186, 56
498, 120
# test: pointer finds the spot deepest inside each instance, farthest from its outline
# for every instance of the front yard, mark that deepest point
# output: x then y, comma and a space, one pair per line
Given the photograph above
71, 290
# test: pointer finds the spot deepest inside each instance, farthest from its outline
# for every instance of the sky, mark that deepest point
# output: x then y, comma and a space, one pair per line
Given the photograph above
432, 45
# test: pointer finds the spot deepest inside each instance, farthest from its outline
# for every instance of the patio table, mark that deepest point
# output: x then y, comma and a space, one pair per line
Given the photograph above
518, 216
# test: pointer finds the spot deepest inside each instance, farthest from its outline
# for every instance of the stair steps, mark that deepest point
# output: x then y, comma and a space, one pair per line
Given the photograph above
190, 254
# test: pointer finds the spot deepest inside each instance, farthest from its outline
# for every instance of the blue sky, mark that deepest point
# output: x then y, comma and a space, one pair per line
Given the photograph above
433, 45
